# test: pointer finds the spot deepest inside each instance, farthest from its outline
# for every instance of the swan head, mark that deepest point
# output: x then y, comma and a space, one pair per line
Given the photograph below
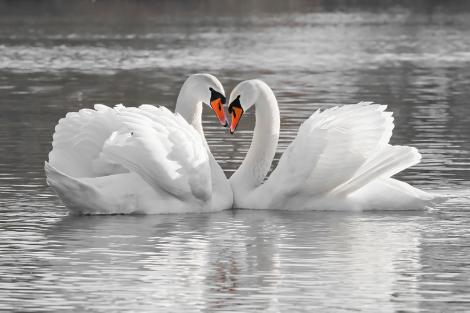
242, 97
208, 90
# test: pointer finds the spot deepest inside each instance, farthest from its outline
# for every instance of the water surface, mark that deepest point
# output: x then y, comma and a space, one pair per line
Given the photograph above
415, 59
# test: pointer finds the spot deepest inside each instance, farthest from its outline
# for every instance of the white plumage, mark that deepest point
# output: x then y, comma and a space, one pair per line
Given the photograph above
341, 159
138, 160
163, 149
129, 160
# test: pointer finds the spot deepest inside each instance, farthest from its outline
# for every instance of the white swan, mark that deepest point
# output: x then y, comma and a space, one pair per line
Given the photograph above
340, 159
141, 160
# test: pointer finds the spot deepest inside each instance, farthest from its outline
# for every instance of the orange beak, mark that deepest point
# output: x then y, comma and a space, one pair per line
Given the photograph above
237, 113
218, 106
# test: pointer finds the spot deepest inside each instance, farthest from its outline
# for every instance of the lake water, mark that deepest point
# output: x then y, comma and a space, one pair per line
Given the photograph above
56, 58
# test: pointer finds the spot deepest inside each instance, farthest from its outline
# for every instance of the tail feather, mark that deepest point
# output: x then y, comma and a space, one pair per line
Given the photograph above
392, 194
386, 163
74, 193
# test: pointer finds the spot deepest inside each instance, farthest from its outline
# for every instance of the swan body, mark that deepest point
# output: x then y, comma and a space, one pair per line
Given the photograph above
341, 159
144, 160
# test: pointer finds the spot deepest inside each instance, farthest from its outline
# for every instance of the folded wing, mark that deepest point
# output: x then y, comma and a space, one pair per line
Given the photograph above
340, 150
78, 140
163, 149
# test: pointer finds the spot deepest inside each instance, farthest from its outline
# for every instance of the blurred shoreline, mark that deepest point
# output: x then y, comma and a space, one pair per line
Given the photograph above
126, 8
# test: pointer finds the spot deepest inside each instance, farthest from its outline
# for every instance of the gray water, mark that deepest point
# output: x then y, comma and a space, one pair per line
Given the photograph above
56, 58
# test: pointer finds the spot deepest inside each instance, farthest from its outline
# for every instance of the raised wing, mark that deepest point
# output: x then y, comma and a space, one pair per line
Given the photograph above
163, 149
330, 148
78, 141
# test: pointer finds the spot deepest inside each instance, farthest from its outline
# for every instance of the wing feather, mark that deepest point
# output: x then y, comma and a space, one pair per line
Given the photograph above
387, 162
330, 147
163, 149
79, 138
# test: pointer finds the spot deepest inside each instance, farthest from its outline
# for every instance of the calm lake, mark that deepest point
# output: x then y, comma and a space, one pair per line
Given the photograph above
56, 58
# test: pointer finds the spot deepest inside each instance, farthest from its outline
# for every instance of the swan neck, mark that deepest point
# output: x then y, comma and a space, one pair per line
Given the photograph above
189, 107
257, 162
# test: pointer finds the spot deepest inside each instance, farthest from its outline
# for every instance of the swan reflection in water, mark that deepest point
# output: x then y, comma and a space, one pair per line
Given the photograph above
235, 259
